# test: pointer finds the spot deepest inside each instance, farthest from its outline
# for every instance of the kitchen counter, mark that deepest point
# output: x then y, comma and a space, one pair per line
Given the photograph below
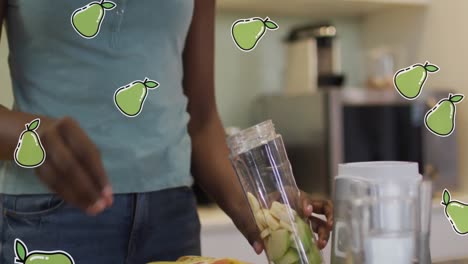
460, 261
213, 216
220, 238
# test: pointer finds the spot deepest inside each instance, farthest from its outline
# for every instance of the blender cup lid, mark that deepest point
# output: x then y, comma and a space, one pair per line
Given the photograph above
387, 178
393, 171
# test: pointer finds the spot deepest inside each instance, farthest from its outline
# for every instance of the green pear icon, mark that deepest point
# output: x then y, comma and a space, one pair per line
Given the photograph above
40, 257
246, 33
457, 213
440, 120
410, 81
87, 20
131, 98
29, 152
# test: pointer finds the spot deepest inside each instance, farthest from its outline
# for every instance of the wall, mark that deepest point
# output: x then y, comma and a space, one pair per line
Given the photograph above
240, 76
438, 34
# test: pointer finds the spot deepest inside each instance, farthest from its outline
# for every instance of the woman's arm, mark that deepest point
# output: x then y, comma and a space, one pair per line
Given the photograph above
210, 164
11, 123
2, 14
72, 168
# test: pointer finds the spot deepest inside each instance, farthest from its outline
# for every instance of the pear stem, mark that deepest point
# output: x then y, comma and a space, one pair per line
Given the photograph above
102, 2
145, 80
426, 63
266, 19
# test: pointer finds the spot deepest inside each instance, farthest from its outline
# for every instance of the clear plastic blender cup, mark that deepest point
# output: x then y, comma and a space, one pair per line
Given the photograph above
262, 166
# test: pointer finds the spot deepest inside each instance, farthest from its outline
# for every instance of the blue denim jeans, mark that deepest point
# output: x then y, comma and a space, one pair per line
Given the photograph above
138, 228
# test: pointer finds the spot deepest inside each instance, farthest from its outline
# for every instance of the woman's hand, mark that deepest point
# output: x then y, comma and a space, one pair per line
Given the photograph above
73, 167
321, 207
245, 222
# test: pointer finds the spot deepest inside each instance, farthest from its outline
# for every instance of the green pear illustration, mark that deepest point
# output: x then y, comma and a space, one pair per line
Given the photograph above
410, 81
440, 120
130, 98
457, 213
246, 33
40, 257
29, 152
87, 20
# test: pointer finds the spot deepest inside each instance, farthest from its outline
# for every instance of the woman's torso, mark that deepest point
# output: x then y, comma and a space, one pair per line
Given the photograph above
56, 72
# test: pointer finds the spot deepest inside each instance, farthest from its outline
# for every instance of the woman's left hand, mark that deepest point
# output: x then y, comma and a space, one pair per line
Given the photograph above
245, 222
321, 207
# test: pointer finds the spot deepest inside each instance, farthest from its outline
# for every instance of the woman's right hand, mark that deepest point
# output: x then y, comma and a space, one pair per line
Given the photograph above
73, 168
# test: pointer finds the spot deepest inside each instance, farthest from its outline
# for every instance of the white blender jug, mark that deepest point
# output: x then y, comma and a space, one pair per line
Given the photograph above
375, 180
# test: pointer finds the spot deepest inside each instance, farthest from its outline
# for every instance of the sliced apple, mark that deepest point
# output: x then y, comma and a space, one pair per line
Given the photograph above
272, 223
254, 204
314, 256
281, 211
277, 210
305, 234
278, 244
260, 220
286, 226
290, 257
265, 233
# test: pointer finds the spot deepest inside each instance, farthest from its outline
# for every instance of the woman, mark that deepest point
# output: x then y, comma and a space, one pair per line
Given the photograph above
130, 175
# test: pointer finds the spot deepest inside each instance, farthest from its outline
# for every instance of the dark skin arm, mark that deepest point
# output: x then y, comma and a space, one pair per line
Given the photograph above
209, 161
15, 120
211, 167
2, 13
72, 168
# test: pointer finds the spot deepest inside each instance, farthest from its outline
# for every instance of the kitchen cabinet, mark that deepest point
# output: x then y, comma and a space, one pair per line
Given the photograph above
315, 8
220, 238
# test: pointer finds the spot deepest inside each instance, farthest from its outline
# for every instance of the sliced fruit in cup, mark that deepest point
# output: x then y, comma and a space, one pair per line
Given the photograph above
278, 244
286, 235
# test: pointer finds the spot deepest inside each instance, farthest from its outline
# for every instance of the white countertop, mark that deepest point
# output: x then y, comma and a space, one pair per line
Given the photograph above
220, 236
213, 216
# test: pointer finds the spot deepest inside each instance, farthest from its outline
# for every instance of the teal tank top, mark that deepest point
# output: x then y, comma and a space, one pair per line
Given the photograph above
72, 58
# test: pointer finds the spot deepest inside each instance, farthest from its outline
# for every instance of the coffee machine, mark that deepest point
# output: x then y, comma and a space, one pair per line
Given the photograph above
314, 59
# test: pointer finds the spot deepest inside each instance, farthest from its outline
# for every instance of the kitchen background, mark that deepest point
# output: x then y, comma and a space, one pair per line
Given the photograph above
414, 31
